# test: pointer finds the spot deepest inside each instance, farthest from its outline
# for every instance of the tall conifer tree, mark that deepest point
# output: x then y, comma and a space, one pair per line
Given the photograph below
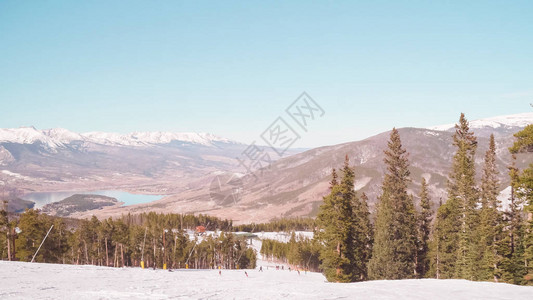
394, 249
457, 219
513, 264
345, 230
336, 230
444, 242
436, 246
524, 183
334, 179
352, 269
424, 228
363, 236
491, 221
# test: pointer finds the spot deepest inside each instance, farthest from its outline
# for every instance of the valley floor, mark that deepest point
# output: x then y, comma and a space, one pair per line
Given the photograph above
19, 280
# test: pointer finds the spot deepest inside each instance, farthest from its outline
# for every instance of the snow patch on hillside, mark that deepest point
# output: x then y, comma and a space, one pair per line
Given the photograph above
284, 237
505, 199
361, 183
5, 156
16, 175
432, 133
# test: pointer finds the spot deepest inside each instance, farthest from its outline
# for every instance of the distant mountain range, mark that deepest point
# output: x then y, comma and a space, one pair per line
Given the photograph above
509, 122
59, 137
161, 163
183, 166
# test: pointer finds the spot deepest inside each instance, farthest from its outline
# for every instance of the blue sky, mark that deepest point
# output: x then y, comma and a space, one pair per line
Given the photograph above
231, 68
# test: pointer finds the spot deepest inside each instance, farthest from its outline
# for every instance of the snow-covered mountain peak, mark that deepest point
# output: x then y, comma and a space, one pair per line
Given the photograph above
62, 135
25, 135
507, 121
58, 137
108, 138
152, 138
159, 137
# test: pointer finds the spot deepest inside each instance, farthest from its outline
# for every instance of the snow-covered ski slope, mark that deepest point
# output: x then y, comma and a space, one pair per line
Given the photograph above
19, 280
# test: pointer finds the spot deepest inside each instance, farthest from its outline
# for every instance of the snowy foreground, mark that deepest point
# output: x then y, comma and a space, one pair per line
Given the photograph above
50, 281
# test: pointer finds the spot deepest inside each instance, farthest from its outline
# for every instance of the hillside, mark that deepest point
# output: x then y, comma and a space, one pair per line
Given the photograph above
18, 205
200, 172
294, 186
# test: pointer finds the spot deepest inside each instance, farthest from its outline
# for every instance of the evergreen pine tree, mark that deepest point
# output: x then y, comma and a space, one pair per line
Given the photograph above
457, 219
526, 183
444, 242
424, 227
366, 239
32, 232
513, 268
345, 230
336, 234
334, 179
351, 237
436, 243
491, 221
4, 231
394, 249
524, 143
362, 236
